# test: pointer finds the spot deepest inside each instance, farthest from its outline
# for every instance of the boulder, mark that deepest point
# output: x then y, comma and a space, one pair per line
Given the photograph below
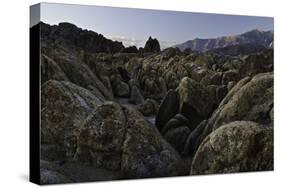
193, 140
257, 63
196, 103
121, 139
171, 124
176, 131
170, 52
177, 137
230, 75
249, 99
136, 96
64, 107
145, 152
149, 107
213, 78
239, 146
169, 107
119, 87
101, 137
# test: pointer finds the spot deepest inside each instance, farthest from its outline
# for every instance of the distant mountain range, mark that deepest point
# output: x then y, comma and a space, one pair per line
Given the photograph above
257, 37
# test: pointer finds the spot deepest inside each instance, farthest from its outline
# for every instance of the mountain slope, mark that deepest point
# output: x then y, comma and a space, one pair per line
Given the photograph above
263, 38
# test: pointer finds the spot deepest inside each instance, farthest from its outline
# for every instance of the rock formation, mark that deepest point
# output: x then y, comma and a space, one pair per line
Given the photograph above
110, 112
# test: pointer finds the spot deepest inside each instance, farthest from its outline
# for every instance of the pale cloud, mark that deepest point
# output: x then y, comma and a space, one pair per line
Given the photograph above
127, 41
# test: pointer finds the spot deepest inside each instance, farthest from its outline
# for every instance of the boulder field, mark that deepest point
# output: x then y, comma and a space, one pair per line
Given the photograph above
110, 112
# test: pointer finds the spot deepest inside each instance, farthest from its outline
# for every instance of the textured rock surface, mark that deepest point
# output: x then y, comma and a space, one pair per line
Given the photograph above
239, 146
52, 177
64, 107
149, 107
117, 138
145, 152
85, 138
50, 70
196, 103
250, 99
168, 108
101, 137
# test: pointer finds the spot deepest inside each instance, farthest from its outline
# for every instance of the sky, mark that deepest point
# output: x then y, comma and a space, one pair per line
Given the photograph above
134, 26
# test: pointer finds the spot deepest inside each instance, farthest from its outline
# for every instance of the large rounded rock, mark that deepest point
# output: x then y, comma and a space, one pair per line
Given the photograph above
250, 99
121, 139
145, 152
149, 107
119, 87
176, 131
196, 103
192, 142
213, 78
168, 108
64, 107
177, 121
177, 137
102, 135
239, 146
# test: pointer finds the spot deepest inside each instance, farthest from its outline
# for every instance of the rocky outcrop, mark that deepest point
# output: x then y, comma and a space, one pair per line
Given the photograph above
257, 63
169, 107
193, 140
50, 70
240, 146
117, 138
145, 152
215, 109
149, 107
176, 131
70, 36
81, 74
119, 87
250, 100
101, 137
196, 103
64, 68
64, 107
151, 45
